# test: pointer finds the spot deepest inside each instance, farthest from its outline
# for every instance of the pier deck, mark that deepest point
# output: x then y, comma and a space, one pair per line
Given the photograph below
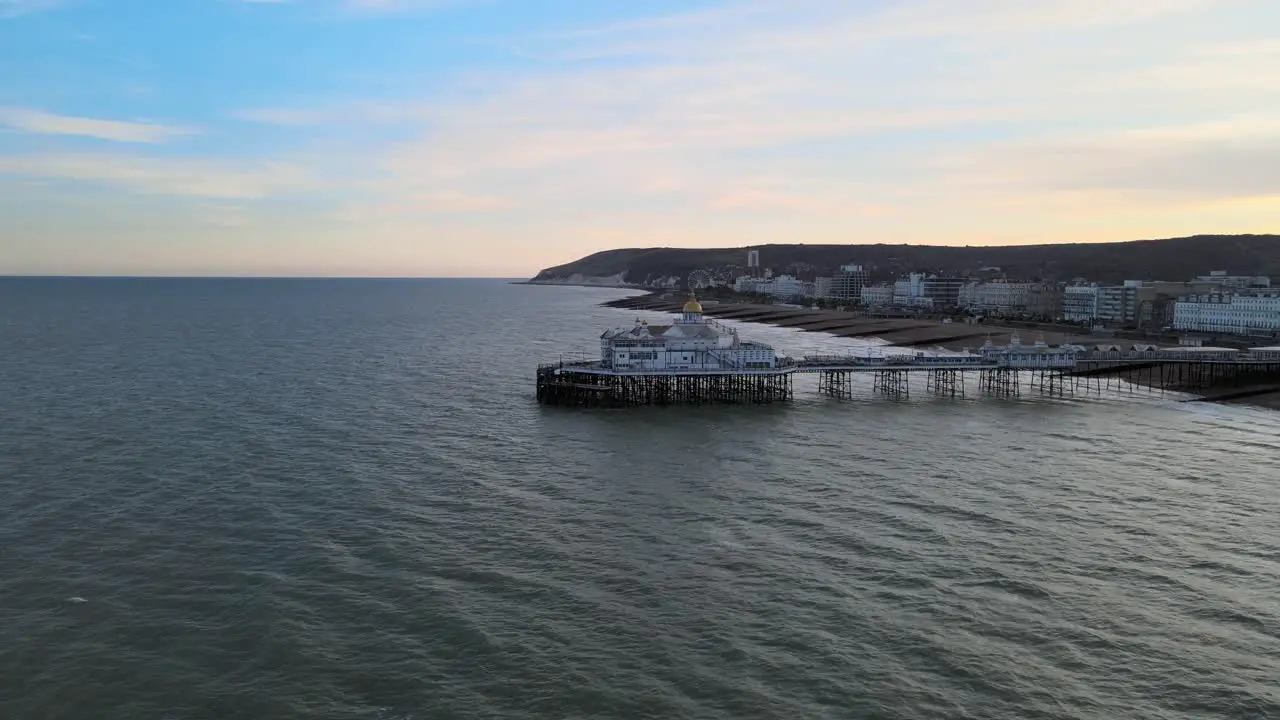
590, 384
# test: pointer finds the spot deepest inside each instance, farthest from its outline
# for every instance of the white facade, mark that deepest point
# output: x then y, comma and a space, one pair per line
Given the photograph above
1080, 303
1118, 304
786, 286
918, 290
782, 286
1039, 355
1009, 298
909, 290
1255, 313
692, 342
877, 295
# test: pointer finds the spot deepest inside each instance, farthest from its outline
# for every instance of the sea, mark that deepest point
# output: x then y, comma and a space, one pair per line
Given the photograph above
243, 498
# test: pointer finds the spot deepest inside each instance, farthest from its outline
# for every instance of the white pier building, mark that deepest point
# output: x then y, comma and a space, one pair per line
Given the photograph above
1032, 357
692, 342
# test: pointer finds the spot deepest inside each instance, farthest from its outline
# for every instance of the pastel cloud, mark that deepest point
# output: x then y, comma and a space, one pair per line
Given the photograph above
1222, 160
764, 121
14, 8
40, 122
163, 176
716, 87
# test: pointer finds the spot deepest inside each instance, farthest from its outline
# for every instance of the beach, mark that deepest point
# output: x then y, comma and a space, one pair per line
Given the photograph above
903, 332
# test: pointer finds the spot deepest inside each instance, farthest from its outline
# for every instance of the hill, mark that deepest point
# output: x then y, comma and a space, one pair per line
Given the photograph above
1171, 259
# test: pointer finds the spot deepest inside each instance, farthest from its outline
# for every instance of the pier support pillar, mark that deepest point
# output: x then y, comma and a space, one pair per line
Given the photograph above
1052, 383
1002, 382
836, 383
945, 383
892, 383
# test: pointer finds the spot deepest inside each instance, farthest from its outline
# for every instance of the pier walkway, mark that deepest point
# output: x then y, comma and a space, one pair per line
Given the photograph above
1002, 372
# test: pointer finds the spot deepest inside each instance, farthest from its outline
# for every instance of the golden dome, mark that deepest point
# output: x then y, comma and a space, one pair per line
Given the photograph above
693, 306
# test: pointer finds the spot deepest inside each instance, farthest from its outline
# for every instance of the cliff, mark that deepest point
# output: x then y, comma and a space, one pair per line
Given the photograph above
1172, 259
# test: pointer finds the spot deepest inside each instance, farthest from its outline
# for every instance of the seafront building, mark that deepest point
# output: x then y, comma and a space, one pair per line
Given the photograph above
1080, 303
1145, 303
848, 283
909, 292
1221, 279
823, 287
782, 286
691, 342
942, 291
877, 295
1238, 313
1212, 303
918, 290
1002, 298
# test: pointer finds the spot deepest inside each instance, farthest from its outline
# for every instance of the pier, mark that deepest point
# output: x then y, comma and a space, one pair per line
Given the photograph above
696, 361
589, 384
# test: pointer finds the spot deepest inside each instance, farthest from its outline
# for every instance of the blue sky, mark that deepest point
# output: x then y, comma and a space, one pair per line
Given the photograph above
496, 137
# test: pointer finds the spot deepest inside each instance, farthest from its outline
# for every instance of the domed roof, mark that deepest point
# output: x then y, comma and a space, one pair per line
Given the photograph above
693, 306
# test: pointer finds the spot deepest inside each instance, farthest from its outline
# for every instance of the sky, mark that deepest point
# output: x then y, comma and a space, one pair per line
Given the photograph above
492, 138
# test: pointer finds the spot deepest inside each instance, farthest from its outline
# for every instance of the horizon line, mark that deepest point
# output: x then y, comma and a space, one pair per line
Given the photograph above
35, 276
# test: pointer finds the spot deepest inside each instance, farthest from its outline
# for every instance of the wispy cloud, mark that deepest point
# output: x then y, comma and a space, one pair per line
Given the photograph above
40, 122
14, 8
164, 176
348, 113
804, 108
820, 27
747, 121
423, 205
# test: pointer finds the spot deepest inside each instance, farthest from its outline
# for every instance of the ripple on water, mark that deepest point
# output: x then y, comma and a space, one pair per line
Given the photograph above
311, 499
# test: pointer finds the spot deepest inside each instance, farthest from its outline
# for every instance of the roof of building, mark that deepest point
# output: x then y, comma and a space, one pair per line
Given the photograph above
1274, 348
691, 330
1193, 349
693, 306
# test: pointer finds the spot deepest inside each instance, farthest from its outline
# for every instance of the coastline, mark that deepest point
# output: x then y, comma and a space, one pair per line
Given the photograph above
612, 283
920, 333
900, 332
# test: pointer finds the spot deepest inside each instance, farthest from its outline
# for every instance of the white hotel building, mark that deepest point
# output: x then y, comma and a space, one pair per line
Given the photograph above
693, 342
1008, 299
1255, 313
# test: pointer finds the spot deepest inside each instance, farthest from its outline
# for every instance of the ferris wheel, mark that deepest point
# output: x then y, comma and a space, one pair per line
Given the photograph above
699, 279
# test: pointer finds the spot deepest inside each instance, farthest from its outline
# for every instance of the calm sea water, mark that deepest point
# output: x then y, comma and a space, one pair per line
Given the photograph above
337, 499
